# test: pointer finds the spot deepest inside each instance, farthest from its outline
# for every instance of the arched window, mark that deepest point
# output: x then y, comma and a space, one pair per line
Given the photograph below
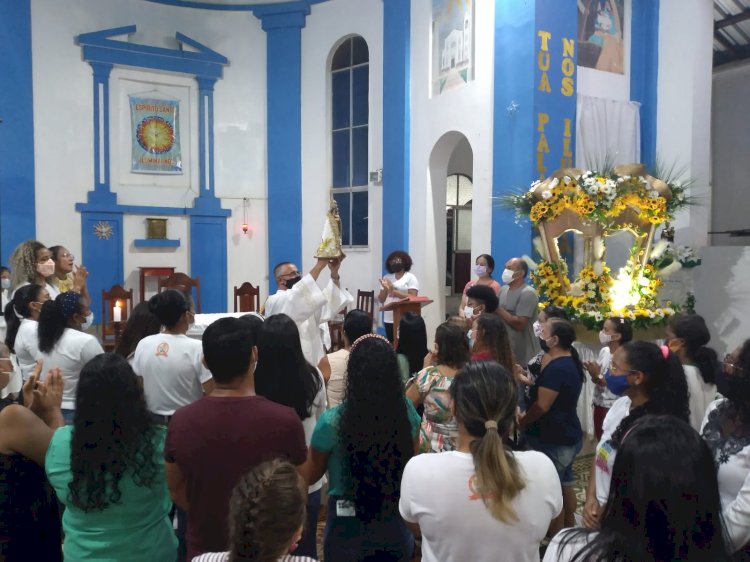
350, 81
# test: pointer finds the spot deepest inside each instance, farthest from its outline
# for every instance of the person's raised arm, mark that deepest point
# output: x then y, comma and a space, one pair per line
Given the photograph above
319, 266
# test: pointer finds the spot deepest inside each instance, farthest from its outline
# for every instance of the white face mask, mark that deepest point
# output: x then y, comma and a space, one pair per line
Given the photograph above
480, 270
88, 322
605, 338
46, 269
537, 326
5, 283
508, 275
468, 312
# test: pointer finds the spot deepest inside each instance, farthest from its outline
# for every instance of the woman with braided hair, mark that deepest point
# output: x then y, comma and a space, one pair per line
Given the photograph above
650, 380
266, 516
481, 499
64, 345
364, 443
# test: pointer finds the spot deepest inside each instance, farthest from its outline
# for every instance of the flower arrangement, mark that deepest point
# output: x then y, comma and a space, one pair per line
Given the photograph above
596, 203
666, 253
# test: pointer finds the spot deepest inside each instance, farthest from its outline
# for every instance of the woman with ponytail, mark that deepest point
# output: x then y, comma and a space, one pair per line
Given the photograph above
687, 336
21, 317
650, 380
481, 502
551, 420
266, 516
64, 346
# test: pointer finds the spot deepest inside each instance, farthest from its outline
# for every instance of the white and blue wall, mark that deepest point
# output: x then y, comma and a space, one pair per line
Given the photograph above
271, 129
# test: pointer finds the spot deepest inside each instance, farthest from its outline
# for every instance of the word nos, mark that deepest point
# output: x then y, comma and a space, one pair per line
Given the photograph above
567, 89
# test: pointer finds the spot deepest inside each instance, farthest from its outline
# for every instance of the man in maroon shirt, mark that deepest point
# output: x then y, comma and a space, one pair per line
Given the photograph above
214, 441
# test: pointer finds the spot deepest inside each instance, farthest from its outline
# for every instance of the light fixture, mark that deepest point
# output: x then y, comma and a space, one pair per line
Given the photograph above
245, 225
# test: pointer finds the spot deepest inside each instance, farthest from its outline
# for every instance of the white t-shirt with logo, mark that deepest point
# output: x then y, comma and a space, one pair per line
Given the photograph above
71, 352
605, 453
172, 371
438, 492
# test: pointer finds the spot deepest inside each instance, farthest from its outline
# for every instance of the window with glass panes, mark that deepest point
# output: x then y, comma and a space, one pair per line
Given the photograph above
350, 79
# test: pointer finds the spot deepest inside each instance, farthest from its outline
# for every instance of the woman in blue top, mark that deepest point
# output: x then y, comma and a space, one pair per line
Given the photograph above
107, 470
364, 443
551, 421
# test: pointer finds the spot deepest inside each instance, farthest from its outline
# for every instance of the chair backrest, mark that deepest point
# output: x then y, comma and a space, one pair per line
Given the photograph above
247, 298
110, 299
366, 302
183, 282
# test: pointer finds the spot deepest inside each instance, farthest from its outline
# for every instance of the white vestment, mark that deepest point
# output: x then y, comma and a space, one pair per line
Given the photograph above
311, 309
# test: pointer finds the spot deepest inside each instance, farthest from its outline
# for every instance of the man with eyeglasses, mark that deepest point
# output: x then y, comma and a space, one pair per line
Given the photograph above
300, 298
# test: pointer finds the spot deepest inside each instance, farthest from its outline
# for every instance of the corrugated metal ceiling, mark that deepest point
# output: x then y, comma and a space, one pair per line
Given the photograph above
731, 31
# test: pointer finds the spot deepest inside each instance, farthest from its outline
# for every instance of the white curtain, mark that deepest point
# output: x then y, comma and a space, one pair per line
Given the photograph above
607, 131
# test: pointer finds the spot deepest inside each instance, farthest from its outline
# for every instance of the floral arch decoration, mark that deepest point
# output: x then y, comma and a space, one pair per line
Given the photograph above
596, 204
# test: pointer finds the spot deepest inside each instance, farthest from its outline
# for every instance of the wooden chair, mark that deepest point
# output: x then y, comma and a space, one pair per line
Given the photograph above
366, 302
246, 298
336, 328
183, 282
110, 332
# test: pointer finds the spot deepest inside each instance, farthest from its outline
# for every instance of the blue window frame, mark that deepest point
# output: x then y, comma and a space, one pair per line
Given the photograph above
350, 108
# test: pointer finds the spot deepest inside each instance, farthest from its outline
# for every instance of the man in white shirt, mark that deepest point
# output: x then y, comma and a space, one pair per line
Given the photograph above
311, 308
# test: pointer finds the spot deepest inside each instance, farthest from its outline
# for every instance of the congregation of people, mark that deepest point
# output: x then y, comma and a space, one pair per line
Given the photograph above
453, 446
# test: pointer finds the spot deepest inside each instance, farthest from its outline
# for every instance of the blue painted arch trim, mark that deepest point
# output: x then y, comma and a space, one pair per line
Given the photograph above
230, 6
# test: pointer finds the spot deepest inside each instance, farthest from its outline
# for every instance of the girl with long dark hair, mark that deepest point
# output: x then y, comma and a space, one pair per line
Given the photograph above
663, 504
650, 380
364, 443
63, 345
141, 324
492, 342
687, 337
107, 470
284, 376
726, 429
412, 345
481, 499
431, 388
266, 516
551, 421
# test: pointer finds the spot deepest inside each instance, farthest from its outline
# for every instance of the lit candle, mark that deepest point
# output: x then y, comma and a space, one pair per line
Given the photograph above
117, 313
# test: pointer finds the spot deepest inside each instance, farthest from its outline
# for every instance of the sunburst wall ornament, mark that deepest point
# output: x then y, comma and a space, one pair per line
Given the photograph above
103, 230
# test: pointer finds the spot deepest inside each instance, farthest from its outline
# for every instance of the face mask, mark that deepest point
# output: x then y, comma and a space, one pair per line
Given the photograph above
397, 267
543, 345
46, 269
5, 283
468, 312
616, 385
292, 282
508, 275
88, 322
604, 338
480, 270
537, 326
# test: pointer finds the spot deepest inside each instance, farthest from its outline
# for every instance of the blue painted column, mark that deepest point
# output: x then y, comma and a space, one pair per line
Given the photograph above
17, 199
534, 105
396, 124
103, 254
101, 193
644, 72
284, 138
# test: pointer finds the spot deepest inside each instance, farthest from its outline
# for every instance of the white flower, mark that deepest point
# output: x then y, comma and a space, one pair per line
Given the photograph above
650, 313
643, 281
598, 316
669, 311
653, 194
590, 294
546, 194
553, 184
533, 185
660, 312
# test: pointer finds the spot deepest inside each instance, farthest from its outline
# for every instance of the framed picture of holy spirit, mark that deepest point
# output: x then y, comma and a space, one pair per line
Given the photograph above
155, 135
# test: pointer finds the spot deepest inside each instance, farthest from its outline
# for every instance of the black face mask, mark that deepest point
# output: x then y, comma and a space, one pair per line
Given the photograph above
397, 267
292, 282
543, 344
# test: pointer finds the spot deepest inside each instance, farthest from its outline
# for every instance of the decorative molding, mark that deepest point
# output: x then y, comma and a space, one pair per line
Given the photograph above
103, 230
230, 6
151, 243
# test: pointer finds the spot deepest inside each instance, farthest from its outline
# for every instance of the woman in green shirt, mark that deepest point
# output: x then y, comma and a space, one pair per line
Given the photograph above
364, 443
107, 470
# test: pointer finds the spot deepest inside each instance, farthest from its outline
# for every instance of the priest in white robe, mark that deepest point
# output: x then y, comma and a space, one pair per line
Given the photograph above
300, 298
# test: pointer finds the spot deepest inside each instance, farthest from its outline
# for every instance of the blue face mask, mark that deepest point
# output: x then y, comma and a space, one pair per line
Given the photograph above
616, 384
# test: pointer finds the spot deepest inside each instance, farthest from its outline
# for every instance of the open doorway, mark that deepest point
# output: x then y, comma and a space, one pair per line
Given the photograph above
459, 194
